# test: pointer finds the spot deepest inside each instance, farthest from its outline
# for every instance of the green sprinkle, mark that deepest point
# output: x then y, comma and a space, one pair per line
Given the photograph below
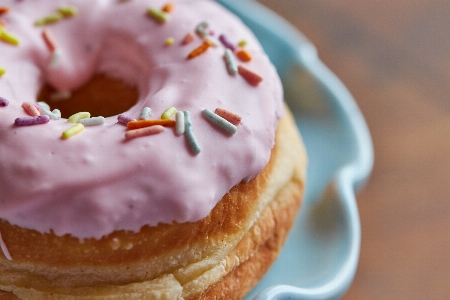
49, 19
8, 37
2, 71
169, 113
242, 43
158, 15
68, 11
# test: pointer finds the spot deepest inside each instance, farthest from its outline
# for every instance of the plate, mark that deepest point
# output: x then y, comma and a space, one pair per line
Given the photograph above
321, 254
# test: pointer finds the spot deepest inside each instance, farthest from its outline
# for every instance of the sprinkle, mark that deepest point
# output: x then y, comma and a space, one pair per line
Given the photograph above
4, 10
170, 41
179, 119
202, 29
188, 38
30, 109
242, 43
122, 119
3, 102
168, 7
145, 113
92, 121
27, 121
231, 117
214, 42
55, 58
147, 123
49, 40
230, 62
251, 77
8, 37
189, 134
68, 11
54, 115
219, 121
243, 55
131, 134
2, 71
75, 129
169, 113
223, 39
199, 50
158, 15
49, 19
42, 104
4, 248
78, 116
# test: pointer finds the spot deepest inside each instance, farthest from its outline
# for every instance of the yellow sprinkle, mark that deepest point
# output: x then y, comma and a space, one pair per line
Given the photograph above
242, 43
78, 116
73, 131
68, 11
2, 71
49, 19
170, 41
8, 37
169, 113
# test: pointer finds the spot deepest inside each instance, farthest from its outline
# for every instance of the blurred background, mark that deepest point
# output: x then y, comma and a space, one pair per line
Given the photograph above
394, 57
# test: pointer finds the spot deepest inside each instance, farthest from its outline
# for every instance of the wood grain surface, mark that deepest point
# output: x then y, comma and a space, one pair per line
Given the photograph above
394, 57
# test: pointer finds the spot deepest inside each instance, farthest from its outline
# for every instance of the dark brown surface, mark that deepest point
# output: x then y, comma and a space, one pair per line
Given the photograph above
394, 57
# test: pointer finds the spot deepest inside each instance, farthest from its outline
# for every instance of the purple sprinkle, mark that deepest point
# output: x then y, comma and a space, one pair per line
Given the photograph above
27, 121
3, 102
122, 119
227, 43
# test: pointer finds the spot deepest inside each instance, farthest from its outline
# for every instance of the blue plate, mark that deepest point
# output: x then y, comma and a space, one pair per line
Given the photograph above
321, 254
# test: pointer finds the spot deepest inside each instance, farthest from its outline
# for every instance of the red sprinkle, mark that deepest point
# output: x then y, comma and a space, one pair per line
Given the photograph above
229, 116
49, 40
4, 10
251, 77
188, 38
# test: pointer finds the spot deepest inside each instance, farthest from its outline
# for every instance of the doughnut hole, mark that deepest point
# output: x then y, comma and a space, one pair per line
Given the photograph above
101, 96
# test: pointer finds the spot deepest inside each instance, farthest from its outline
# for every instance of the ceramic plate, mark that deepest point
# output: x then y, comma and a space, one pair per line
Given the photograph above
320, 257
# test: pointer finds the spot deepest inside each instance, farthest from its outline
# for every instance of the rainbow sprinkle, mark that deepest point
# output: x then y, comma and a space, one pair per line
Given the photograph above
122, 119
169, 113
189, 134
2, 71
230, 62
7, 37
49, 40
250, 76
223, 39
78, 116
92, 121
30, 109
243, 55
77, 128
158, 15
219, 121
49, 19
170, 41
168, 7
179, 119
131, 134
199, 50
228, 115
146, 123
3, 102
145, 113
4, 10
28, 121
242, 43
188, 38
68, 11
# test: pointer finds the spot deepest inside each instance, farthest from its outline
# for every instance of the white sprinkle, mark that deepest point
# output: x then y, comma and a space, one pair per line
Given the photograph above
92, 121
55, 58
43, 104
219, 121
4, 248
214, 42
54, 115
231, 62
145, 113
179, 127
202, 29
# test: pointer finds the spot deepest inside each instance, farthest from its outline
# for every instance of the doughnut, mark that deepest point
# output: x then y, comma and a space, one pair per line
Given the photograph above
145, 153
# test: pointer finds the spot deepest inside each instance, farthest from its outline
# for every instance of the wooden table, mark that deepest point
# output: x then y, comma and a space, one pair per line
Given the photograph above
394, 57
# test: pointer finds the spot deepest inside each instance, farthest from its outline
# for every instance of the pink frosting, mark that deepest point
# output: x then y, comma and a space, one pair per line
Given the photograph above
97, 182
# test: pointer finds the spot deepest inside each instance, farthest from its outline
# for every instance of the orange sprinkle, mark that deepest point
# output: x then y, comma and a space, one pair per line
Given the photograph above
200, 49
49, 40
250, 76
146, 123
188, 38
243, 55
168, 7
228, 115
31, 109
4, 10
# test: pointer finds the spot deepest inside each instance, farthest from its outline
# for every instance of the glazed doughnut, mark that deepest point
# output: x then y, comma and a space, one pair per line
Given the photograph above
159, 196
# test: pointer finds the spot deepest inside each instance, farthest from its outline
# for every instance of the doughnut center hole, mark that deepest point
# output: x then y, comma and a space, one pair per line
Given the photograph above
101, 96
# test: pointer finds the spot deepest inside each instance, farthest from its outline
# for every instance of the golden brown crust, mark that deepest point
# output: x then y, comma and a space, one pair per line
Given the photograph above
189, 260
